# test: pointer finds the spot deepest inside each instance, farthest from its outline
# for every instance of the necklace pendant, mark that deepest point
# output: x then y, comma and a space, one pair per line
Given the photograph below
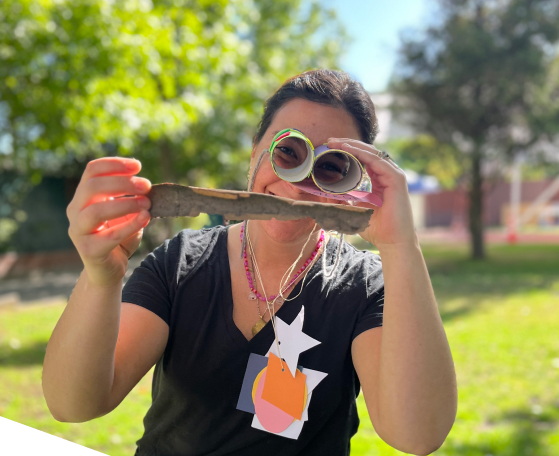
258, 326
280, 300
252, 296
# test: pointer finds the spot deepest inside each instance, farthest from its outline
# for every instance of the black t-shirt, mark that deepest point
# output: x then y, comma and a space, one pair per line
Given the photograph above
197, 382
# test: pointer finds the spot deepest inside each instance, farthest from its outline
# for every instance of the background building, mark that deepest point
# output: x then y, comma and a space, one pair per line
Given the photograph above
436, 207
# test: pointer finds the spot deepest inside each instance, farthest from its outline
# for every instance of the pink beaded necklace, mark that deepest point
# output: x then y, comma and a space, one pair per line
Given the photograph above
254, 295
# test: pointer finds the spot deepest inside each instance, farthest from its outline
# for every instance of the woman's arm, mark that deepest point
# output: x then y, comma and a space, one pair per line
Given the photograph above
406, 369
409, 382
78, 369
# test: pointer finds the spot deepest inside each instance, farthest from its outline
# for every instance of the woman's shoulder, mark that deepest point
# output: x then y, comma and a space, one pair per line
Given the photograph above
187, 245
203, 235
355, 256
356, 266
180, 255
191, 243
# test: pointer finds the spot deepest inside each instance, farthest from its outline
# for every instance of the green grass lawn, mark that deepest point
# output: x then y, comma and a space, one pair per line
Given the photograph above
501, 317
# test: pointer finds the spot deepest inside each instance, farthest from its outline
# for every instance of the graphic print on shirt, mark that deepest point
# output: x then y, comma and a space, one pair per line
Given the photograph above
278, 391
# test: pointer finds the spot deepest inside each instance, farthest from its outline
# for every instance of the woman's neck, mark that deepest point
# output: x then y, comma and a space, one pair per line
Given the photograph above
274, 256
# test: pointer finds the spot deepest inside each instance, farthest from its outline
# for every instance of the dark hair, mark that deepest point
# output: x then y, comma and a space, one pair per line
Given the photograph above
333, 88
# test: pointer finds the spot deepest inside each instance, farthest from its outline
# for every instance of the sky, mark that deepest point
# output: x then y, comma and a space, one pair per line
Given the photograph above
374, 26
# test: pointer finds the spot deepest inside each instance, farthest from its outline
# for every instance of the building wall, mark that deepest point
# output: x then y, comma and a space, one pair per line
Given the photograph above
389, 126
448, 208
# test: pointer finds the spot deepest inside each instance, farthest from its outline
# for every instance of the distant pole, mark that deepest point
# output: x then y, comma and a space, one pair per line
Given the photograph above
515, 195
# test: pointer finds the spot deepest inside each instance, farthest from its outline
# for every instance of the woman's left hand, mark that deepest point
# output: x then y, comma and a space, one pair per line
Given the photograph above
391, 224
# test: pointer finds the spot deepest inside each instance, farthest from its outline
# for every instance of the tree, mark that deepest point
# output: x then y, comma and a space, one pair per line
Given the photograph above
177, 84
425, 155
474, 80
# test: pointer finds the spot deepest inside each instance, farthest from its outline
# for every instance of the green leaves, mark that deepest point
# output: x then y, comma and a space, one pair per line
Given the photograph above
425, 155
483, 73
182, 79
479, 81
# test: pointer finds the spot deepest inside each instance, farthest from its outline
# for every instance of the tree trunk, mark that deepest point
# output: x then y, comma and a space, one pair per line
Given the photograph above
476, 208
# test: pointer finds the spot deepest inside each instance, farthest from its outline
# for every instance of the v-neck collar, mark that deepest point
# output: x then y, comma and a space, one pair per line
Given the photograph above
287, 312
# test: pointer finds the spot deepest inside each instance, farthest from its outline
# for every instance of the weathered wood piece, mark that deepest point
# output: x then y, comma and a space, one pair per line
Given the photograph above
173, 200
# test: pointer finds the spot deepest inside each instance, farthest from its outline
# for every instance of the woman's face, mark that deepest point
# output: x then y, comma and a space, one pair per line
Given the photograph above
318, 122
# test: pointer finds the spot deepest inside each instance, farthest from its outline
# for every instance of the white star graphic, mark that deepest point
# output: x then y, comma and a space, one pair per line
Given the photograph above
293, 341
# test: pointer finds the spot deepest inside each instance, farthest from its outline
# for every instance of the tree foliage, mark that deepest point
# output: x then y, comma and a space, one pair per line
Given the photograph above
178, 84
88, 78
477, 81
425, 155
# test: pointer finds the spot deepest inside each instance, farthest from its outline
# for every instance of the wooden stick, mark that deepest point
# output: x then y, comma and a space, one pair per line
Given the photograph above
173, 200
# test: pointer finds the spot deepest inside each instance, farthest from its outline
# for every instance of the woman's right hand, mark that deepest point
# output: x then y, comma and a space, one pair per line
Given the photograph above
106, 229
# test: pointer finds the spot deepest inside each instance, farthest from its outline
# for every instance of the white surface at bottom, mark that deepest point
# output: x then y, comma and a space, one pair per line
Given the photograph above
19, 440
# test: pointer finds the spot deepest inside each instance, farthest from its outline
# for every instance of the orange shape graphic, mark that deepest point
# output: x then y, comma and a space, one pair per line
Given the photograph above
284, 391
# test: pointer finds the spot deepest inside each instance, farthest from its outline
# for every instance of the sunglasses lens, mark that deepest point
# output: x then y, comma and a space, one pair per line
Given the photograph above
292, 158
337, 172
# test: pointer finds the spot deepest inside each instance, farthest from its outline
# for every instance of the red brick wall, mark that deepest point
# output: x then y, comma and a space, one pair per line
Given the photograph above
451, 206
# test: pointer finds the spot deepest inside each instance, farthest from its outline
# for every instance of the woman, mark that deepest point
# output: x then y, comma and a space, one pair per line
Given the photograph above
198, 308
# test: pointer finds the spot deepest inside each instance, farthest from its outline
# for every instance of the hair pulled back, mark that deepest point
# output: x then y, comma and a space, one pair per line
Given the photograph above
329, 87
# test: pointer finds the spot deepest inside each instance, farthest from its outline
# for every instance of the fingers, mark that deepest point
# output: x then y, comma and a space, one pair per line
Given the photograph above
102, 215
99, 188
112, 166
130, 245
338, 142
117, 234
119, 220
373, 163
93, 217
104, 177
97, 245
100, 209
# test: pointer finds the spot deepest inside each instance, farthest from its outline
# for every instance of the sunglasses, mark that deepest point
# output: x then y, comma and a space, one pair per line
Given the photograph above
295, 159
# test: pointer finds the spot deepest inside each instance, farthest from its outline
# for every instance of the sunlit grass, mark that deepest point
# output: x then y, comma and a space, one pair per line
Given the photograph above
501, 318
21, 397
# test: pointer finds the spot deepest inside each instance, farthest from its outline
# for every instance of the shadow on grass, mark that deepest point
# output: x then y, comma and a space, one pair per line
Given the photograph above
24, 356
471, 290
462, 284
527, 437
507, 271
500, 260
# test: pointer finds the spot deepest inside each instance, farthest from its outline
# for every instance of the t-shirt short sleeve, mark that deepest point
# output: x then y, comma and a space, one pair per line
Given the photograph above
151, 283
371, 313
